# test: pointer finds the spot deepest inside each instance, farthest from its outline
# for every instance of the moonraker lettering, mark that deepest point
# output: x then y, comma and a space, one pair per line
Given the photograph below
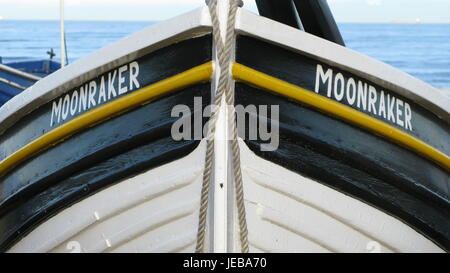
96, 92
363, 96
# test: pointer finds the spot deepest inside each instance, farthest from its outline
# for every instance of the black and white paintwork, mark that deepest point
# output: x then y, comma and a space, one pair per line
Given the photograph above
125, 185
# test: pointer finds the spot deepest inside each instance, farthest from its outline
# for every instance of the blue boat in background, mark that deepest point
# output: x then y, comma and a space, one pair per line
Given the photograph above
18, 76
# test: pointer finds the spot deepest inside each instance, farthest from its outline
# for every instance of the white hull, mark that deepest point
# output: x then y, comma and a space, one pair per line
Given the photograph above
157, 211
287, 212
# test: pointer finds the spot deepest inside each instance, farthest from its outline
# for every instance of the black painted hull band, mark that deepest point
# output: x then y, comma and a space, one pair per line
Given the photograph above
304, 72
102, 156
358, 164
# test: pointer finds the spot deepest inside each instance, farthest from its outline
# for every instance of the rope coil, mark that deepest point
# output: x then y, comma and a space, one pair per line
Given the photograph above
223, 89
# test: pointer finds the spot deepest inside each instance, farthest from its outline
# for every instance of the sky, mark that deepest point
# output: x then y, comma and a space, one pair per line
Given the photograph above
363, 11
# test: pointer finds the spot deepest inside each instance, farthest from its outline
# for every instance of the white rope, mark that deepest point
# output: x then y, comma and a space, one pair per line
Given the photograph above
223, 89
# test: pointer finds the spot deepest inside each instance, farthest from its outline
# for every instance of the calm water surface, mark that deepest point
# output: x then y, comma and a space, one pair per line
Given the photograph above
422, 50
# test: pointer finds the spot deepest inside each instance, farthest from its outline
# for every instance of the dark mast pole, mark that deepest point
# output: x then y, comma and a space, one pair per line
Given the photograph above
315, 16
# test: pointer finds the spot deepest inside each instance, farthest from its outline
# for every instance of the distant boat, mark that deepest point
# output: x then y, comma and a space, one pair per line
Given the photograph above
18, 76
359, 161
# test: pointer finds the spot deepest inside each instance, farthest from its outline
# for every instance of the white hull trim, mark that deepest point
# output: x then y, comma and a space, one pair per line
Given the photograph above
287, 212
381, 73
157, 211
191, 24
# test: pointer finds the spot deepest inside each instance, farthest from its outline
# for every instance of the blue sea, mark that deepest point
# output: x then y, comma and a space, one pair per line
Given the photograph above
422, 50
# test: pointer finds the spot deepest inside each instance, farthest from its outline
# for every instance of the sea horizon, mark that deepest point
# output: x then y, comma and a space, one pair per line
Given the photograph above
420, 49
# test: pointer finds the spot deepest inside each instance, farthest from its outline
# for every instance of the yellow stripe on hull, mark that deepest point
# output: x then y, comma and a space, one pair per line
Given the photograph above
346, 113
97, 115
